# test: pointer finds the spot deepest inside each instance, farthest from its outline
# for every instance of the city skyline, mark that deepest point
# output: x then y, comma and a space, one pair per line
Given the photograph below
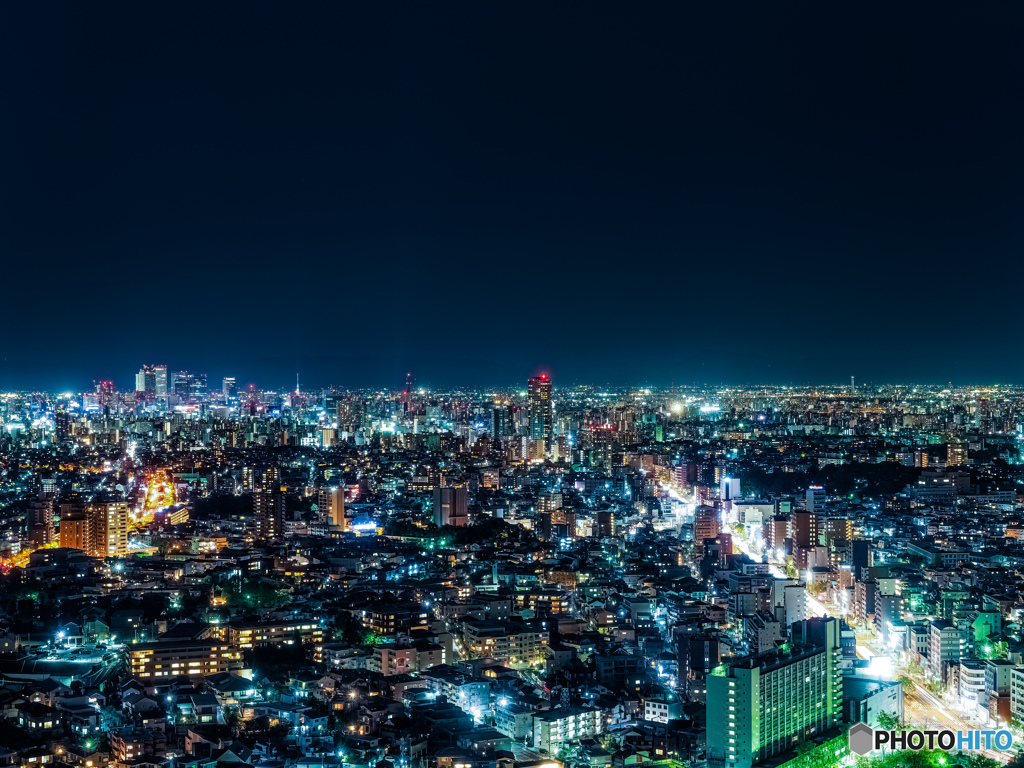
746, 576
126, 382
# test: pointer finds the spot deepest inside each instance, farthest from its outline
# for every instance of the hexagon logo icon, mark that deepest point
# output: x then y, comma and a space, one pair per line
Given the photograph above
862, 738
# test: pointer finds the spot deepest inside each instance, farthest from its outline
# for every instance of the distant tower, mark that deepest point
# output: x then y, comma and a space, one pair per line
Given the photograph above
161, 380
852, 387
145, 381
538, 391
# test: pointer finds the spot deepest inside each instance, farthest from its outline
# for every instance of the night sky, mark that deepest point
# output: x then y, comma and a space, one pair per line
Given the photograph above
629, 193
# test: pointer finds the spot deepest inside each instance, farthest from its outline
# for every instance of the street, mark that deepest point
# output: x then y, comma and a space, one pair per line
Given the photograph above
920, 707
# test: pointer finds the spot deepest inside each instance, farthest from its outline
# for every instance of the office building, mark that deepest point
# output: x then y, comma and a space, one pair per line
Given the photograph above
501, 423
161, 380
145, 381
181, 385
229, 389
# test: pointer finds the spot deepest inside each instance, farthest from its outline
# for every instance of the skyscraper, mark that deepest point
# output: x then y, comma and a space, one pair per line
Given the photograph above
161, 380
145, 381
181, 384
228, 388
198, 388
764, 705
62, 426
105, 390
500, 427
538, 393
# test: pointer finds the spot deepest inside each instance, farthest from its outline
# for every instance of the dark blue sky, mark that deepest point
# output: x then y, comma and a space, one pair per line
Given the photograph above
753, 192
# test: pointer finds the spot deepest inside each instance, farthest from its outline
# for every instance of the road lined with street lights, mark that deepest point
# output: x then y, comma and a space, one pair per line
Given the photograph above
920, 706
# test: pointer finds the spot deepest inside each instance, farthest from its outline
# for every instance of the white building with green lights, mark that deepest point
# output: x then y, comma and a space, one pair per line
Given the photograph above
765, 705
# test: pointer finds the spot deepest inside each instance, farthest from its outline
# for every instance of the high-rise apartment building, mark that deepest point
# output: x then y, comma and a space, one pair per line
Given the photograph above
40, 519
815, 499
956, 455
805, 529
268, 511
331, 505
764, 705
109, 528
450, 506
538, 393
99, 529
706, 523
261, 478
557, 524
729, 489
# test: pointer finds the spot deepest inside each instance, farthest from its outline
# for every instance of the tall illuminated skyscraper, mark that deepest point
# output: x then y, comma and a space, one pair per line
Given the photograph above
538, 392
145, 381
62, 426
161, 380
181, 384
229, 388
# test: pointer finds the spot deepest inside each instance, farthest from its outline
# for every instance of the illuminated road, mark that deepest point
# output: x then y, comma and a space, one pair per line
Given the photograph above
920, 706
